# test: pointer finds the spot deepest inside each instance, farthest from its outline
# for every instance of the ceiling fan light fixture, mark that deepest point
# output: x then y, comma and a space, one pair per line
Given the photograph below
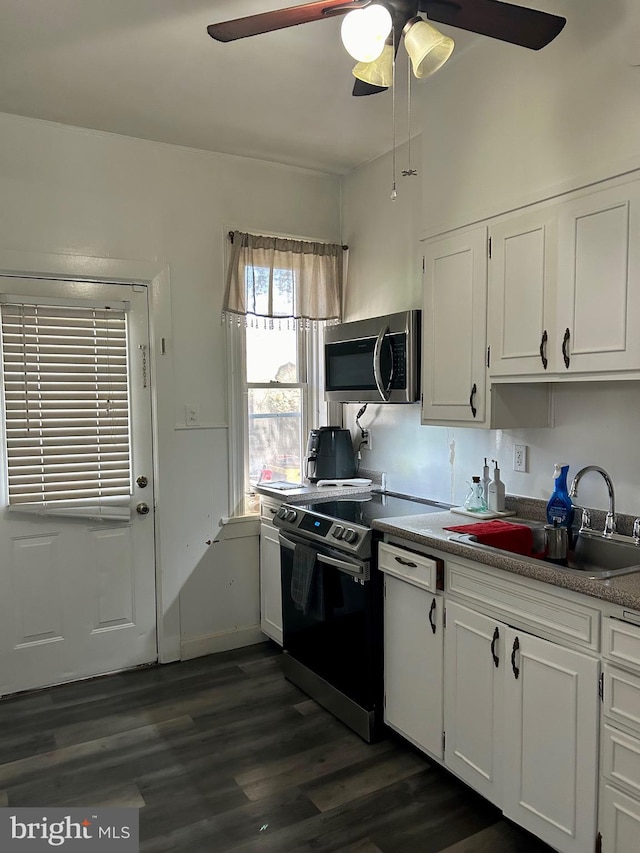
364, 32
427, 47
380, 71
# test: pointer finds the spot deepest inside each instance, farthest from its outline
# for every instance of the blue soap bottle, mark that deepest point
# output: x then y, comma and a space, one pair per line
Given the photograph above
559, 507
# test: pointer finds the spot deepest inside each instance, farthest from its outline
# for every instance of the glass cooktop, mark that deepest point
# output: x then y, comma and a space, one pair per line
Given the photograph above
362, 510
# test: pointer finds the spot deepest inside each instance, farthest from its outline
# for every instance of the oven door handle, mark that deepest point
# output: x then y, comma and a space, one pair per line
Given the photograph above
356, 570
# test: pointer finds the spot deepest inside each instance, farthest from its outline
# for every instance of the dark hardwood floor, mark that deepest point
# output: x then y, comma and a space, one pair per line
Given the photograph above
223, 755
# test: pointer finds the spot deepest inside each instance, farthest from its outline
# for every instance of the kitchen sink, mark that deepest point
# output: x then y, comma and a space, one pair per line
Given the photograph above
592, 556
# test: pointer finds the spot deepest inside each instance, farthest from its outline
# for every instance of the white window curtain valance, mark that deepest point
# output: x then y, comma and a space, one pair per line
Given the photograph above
272, 278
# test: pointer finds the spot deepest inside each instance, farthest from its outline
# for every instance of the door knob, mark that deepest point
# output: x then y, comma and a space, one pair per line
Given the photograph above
142, 508
142, 482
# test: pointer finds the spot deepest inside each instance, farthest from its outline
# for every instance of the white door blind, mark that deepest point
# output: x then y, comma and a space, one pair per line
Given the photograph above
66, 400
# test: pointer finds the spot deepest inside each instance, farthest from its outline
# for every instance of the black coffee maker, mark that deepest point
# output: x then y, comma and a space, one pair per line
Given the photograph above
330, 455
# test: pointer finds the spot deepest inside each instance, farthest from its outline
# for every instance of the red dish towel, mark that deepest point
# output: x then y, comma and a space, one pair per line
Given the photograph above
507, 535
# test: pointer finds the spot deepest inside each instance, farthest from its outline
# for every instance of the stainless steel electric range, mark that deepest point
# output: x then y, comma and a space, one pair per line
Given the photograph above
332, 601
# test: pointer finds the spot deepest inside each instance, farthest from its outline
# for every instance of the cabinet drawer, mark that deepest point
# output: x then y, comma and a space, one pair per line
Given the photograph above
417, 569
622, 696
621, 642
621, 759
268, 509
524, 604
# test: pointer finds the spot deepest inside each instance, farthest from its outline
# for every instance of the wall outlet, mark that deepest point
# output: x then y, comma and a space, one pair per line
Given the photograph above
191, 415
520, 458
365, 439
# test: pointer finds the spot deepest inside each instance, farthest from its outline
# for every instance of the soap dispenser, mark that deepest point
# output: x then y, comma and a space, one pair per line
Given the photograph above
496, 491
486, 479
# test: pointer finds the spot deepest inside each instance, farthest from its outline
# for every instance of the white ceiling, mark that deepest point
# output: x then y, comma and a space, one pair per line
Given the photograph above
148, 69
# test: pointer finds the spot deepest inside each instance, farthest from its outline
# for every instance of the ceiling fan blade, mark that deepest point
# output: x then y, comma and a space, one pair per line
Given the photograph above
361, 88
515, 24
279, 19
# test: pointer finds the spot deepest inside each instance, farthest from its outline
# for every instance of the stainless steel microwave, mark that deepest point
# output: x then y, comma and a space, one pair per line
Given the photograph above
375, 360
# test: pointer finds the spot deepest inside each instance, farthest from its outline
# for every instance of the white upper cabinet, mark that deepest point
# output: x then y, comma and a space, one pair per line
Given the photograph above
454, 328
455, 381
564, 288
599, 281
522, 293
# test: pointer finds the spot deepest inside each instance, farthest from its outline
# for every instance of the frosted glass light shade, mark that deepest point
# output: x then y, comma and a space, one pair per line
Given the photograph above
364, 32
427, 47
380, 71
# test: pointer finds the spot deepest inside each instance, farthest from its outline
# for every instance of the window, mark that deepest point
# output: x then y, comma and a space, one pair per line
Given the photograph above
279, 294
276, 397
66, 407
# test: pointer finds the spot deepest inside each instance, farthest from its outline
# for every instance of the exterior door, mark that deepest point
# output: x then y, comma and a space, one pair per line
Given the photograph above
77, 575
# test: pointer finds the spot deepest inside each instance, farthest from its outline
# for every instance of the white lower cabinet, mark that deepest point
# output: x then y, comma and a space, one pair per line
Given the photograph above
521, 722
473, 699
413, 647
619, 821
551, 741
413, 664
520, 713
620, 738
270, 580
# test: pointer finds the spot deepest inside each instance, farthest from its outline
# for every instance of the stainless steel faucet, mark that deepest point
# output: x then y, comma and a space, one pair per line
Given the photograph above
610, 521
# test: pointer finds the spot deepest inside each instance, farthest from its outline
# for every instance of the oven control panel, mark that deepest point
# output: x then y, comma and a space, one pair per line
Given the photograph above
318, 527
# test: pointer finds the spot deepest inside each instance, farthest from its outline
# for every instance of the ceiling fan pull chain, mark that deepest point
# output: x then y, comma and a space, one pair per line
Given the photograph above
394, 192
409, 170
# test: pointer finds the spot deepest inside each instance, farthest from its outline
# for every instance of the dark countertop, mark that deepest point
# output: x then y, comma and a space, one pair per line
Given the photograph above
428, 529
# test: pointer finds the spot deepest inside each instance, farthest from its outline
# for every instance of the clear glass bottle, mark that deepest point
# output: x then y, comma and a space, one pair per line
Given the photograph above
475, 501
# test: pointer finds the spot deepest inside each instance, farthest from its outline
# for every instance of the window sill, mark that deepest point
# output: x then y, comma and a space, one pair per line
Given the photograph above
239, 526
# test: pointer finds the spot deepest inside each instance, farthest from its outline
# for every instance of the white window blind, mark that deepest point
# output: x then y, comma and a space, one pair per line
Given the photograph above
66, 401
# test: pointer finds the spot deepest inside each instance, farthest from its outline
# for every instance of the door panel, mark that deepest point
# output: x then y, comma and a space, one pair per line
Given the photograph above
550, 741
77, 594
474, 703
454, 328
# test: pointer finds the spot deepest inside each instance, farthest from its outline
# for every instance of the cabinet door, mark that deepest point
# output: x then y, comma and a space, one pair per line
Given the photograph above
454, 328
473, 698
413, 649
599, 266
522, 277
270, 583
550, 741
619, 821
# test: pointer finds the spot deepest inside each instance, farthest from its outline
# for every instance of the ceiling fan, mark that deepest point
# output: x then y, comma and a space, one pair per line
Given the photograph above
518, 25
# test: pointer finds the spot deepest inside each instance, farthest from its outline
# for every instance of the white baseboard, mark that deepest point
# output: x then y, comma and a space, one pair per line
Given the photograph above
209, 644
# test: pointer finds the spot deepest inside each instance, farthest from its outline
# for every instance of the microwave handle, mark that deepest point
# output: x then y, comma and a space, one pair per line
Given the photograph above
385, 393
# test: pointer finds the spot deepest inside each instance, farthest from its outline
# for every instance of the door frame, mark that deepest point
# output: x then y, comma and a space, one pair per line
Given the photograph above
155, 275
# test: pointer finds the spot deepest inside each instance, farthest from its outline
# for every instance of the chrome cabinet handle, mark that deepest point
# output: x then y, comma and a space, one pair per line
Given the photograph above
431, 613
474, 391
514, 651
543, 349
142, 509
496, 637
565, 343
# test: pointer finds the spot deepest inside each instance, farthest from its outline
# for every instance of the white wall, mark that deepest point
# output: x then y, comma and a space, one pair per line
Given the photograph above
78, 192
500, 126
